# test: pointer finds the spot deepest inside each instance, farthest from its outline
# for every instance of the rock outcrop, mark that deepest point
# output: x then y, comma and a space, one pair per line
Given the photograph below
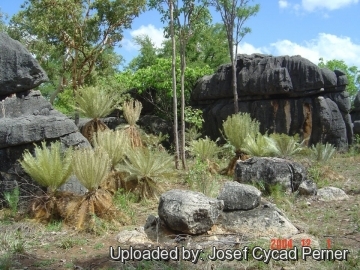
269, 171
286, 94
355, 114
27, 118
19, 71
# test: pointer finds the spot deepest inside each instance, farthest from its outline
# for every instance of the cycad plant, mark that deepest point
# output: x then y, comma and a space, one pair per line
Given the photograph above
236, 128
94, 103
206, 151
150, 167
91, 167
131, 111
283, 145
322, 152
260, 146
115, 144
49, 167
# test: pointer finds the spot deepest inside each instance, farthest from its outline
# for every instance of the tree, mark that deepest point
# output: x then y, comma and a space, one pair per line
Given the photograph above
190, 18
80, 30
3, 27
234, 13
147, 55
352, 73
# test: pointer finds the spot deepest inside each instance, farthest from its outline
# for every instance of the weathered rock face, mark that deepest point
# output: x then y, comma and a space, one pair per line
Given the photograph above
27, 120
19, 71
270, 171
286, 94
188, 211
238, 196
355, 114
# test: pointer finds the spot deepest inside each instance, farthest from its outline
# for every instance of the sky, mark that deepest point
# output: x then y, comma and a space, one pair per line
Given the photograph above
311, 28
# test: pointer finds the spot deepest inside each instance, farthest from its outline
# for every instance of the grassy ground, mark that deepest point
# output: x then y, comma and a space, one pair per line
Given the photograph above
28, 245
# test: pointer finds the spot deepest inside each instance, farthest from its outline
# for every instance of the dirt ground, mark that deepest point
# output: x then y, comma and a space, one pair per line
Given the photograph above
334, 224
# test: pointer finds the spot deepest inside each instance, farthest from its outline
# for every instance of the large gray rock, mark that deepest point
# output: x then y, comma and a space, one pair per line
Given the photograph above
264, 221
27, 120
270, 171
19, 71
238, 196
189, 211
283, 94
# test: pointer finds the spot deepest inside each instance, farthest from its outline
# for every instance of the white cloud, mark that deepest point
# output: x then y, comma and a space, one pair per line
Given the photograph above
246, 48
327, 46
311, 5
156, 34
283, 4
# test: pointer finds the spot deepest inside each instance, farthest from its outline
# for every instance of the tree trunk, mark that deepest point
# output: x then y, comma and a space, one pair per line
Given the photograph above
183, 66
173, 71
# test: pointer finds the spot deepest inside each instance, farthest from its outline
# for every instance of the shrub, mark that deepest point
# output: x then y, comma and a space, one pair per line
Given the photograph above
49, 167
131, 111
260, 146
204, 149
150, 167
322, 152
238, 126
283, 145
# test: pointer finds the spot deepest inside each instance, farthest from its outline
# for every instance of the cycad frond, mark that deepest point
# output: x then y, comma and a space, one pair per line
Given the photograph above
91, 166
238, 126
260, 146
48, 167
322, 152
205, 149
94, 103
131, 111
115, 143
285, 145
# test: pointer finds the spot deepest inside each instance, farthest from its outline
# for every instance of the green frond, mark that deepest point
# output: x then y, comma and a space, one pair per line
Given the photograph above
131, 111
285, 145
115, 143
204, 148
48, 167
260, 146
94, 103
91, 166
147, 163
322, 152
238, 126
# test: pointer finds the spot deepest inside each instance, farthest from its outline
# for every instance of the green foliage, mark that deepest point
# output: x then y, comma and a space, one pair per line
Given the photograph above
123, 201
91, 166
204, 149
200, 179
352, 73
12, 199
94, 102
194, 117
158, 76
48, 167
145, 162
322, 152
65, 102
147, 55
238, 126
115, 143
283, 145
258, 146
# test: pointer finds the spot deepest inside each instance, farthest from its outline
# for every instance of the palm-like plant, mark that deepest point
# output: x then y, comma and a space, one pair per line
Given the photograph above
115, 144
94, 103
236, 128
283, 145
131, 111
204, 149
91, 167
322, 152
260, 146
49, 168
150, 167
